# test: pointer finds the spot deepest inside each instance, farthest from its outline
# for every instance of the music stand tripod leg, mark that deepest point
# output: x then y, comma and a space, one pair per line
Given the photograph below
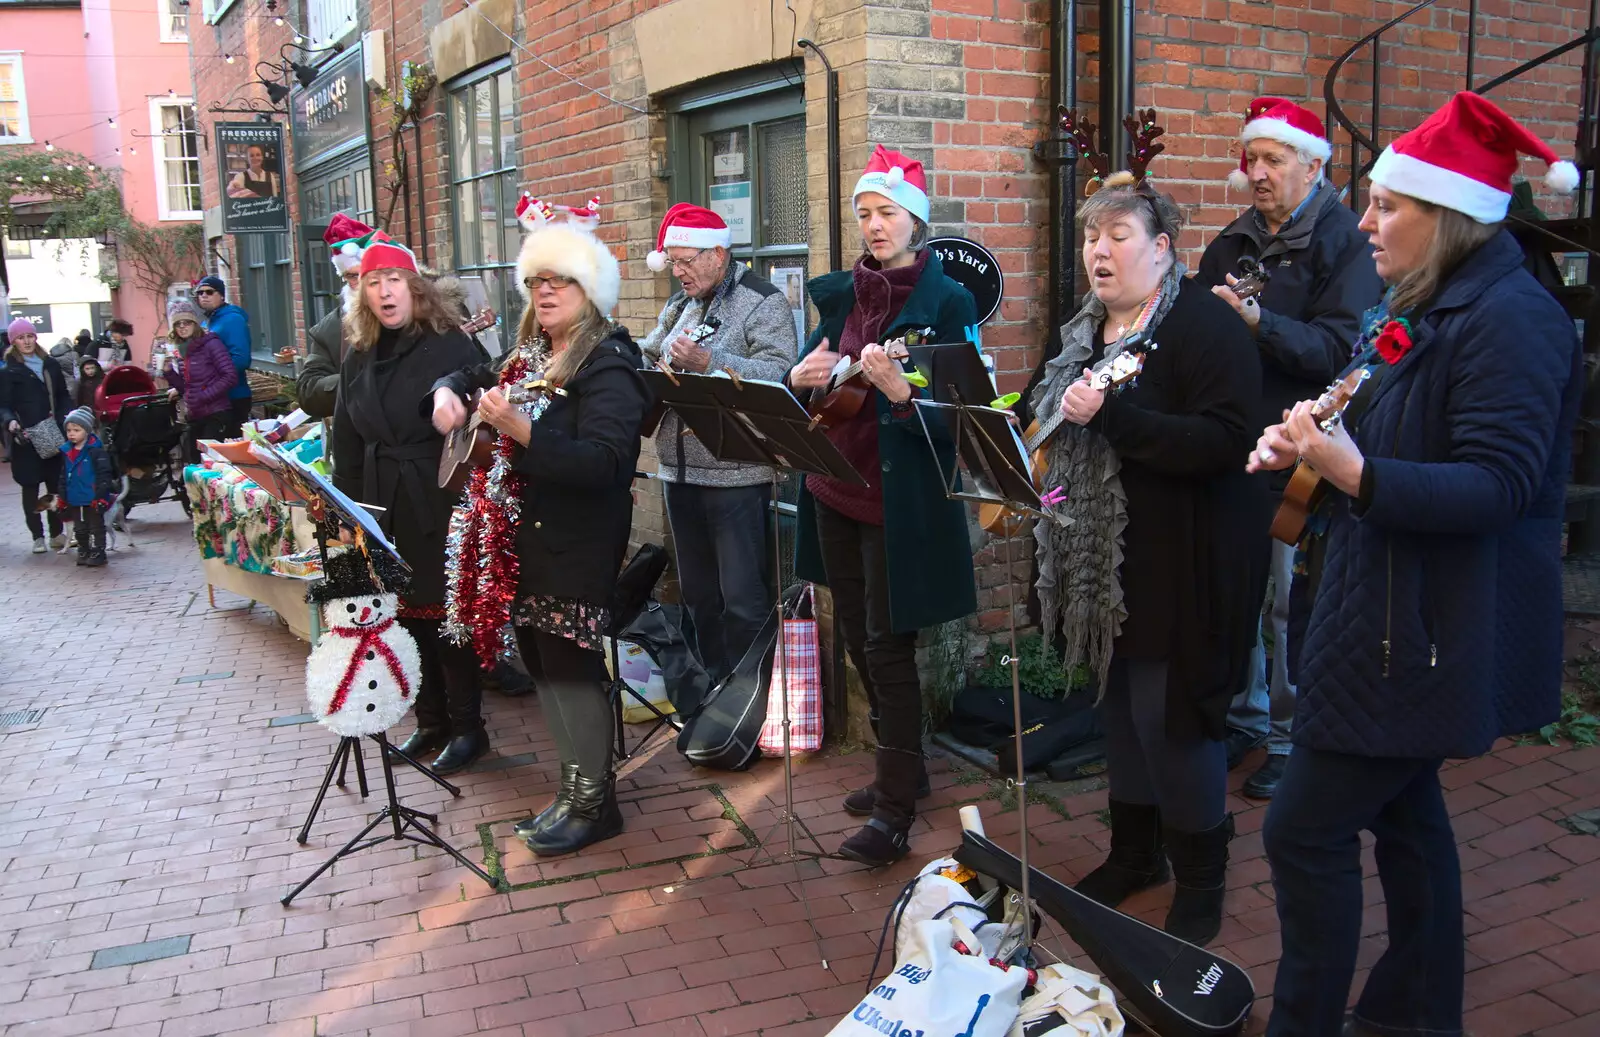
335, 765
390, 747
407, 817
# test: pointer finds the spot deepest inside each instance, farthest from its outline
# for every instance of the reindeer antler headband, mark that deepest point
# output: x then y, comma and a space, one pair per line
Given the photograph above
1143, 146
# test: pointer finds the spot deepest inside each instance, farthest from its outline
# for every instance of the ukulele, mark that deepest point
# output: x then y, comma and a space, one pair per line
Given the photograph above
848, 390
1118, 370
664, 364
1305, 489
1252, 280
472, 445
481, 321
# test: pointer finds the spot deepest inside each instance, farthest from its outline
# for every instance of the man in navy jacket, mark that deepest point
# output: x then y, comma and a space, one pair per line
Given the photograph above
232, 325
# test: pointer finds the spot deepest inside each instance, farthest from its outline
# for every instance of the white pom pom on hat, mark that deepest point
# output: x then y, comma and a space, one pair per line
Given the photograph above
1238, 180
1563, 177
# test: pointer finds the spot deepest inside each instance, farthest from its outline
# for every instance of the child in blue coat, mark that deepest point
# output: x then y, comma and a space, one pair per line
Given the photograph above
88, 486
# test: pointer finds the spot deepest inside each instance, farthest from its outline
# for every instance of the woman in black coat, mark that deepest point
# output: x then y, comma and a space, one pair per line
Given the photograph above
1436, 626
386, 453
562, 477
1153, 480
33, 388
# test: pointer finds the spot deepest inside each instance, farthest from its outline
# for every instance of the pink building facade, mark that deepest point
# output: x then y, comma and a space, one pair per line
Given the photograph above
108, 79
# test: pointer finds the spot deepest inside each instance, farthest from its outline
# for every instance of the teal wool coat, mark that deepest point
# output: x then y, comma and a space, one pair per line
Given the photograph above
930, 556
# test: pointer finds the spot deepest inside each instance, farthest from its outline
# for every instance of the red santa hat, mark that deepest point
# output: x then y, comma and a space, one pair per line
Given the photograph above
1273, 118
898, 178
346, 239
385, 253
688, 226
562, 241
1463, 157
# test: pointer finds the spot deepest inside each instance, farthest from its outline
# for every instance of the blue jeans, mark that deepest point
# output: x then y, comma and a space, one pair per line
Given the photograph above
720, 539
1313, 842
1263, 709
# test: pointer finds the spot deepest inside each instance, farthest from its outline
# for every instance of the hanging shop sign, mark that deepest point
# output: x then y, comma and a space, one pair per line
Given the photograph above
973, 267
330, 115
250, 161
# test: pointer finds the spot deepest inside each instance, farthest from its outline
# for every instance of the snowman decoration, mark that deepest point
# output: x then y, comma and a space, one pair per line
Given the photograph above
361, 676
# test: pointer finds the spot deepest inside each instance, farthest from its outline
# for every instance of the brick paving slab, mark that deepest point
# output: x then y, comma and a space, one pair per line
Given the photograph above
146, 835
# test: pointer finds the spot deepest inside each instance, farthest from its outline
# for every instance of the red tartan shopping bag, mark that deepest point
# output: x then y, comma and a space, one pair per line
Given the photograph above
801, 660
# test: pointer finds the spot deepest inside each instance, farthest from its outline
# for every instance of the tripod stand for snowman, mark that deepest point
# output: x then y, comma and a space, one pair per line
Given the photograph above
360, 677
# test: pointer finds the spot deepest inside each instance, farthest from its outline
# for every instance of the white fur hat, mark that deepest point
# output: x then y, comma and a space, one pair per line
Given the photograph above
569, 248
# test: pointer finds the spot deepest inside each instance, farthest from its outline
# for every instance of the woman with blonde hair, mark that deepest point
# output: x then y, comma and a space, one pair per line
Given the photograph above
386, 453
543, 531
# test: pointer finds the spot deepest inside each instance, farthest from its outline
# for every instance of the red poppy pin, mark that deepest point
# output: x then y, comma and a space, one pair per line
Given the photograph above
1394, 341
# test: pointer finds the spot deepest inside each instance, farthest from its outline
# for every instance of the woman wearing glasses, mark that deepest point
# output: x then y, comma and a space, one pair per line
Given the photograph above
542, 532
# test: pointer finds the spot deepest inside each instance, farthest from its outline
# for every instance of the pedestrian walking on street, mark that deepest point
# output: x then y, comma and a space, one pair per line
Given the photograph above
386, 454
33, 397
207, 374
90, 375
232, 325
569, 457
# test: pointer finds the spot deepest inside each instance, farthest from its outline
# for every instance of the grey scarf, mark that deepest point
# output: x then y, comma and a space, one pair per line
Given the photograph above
1079, 555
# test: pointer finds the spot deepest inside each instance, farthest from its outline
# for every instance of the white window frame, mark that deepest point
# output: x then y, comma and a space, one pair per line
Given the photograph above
159, 151
215, 9
166, 10
14, 58
328, 21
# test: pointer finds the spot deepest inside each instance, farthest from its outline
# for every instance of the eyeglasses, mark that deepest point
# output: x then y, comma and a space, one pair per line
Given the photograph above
205, 291
556, 281
684, 264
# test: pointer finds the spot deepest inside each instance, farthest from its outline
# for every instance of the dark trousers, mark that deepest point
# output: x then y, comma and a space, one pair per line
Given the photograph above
449, 695
572, 684
1186, 777
212, 426
30, 501
855, 557
88, 528
1313, 842
720, 539
237, 414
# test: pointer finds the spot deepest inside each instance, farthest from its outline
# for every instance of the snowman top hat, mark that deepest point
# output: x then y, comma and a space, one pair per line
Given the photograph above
352, 574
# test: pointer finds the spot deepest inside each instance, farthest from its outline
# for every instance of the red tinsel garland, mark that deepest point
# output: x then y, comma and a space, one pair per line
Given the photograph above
487, 569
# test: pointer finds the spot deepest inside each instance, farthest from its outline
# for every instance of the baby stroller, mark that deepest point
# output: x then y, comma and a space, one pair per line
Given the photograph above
146, 436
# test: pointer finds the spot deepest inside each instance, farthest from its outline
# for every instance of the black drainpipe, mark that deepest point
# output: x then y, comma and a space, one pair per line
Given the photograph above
1116, 77
835, 243
1062, 158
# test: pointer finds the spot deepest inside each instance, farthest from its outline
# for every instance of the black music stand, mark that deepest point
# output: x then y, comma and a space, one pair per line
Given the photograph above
760, 422
987, 443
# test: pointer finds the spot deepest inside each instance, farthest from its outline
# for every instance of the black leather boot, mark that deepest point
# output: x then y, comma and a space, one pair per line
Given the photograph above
878, 844
425, 740
433, 719
556, 810
1200, 867
592, 815
1135, 861
462, 751
882, 841
860, 802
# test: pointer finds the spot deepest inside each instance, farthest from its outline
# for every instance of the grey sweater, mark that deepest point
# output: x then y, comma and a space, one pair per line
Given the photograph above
756, 339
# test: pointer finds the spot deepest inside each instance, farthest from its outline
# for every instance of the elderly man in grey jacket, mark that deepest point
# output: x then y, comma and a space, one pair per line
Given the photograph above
724, 317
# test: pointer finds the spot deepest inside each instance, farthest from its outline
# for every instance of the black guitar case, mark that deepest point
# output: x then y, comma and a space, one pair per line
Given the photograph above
1170, 987
724, 732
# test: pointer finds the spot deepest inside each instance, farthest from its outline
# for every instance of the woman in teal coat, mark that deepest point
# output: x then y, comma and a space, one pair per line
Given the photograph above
894, 552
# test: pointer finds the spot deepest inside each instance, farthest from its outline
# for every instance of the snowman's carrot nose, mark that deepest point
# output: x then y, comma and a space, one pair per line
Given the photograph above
365, 612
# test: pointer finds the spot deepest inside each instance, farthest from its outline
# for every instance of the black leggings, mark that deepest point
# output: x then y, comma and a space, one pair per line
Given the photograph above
450, 694
572, 684
1186, 777
30, 500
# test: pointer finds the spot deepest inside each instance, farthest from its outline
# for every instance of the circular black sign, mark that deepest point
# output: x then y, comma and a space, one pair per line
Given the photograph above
975, 268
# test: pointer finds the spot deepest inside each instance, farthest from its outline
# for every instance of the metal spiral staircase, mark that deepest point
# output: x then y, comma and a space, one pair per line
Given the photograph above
1577, 287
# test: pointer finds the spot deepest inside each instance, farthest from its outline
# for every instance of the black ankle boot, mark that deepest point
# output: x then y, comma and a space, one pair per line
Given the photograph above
424, 740
860, 802
556, 810
878, 844
81, 534
1135, 861
1200, 867
461, 752
592, 815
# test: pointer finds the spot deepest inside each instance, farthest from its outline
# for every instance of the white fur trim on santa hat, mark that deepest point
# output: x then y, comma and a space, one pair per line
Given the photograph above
1410, 176
1283, 133
894, 186
346, 258
572, 252
688, 237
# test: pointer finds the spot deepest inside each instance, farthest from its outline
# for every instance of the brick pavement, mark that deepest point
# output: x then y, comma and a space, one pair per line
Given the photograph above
152, 811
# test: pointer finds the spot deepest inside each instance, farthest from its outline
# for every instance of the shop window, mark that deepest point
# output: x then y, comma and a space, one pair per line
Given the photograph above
13, 101
483, 190
329, 20
177, 159
174, 15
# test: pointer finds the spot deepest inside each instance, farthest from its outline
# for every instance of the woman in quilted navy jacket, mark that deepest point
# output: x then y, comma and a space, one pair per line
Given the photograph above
1436, 627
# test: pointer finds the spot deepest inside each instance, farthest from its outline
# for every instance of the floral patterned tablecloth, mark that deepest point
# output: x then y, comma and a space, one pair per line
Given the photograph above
236, 520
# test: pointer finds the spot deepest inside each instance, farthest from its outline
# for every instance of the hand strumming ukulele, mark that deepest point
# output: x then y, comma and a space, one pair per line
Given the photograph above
472, 445
1305, 489
1252, 280
1117, 370
664, 363
848, 390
